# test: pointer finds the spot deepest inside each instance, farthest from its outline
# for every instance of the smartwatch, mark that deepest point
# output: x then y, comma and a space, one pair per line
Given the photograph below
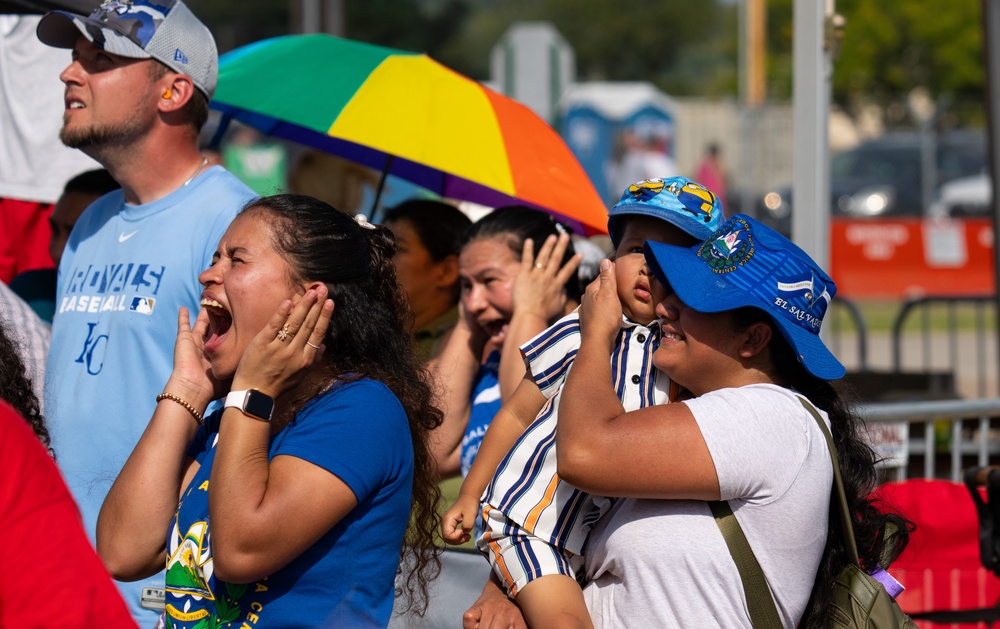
252, 403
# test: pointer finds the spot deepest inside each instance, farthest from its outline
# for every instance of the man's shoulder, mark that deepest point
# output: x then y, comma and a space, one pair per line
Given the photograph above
98, 213
220, 182
215, 200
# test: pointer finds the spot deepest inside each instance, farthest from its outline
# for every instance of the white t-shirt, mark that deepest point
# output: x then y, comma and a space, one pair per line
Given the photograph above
664, 563
34, 163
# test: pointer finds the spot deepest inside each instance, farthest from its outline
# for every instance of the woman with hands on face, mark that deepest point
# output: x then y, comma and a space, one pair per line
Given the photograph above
288, 506
517, 271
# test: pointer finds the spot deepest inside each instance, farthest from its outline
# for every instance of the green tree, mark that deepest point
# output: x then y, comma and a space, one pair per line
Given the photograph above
684, 47
235, 23
890, 48
416, 25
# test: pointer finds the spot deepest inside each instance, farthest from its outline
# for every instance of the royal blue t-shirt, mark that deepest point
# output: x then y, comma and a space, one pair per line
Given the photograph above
359, 432
485, 404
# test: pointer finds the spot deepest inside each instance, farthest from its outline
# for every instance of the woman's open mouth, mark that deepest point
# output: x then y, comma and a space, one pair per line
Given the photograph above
497, 331
219, 323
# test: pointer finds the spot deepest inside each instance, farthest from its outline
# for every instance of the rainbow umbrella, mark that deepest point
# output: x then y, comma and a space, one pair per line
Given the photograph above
406, 115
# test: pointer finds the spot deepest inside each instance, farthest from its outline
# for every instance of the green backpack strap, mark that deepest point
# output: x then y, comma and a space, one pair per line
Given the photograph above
763, 613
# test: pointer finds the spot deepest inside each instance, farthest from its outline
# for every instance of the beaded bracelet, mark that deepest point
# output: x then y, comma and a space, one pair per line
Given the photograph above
194, 412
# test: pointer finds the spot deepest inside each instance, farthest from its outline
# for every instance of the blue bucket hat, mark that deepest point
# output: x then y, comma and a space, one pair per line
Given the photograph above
681, 202
165, 30
746, 263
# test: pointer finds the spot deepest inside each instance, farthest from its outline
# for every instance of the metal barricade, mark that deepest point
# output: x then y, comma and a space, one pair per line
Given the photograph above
967, 446
838, 330
954, 334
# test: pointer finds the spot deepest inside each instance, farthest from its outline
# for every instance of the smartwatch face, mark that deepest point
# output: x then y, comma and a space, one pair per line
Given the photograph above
258, 405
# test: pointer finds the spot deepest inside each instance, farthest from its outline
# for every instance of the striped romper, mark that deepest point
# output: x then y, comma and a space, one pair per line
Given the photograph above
534, 523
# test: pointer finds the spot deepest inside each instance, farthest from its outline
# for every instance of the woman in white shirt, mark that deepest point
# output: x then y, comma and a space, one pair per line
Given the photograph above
740, 332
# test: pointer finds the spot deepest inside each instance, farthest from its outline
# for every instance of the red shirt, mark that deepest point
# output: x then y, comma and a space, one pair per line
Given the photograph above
50, 575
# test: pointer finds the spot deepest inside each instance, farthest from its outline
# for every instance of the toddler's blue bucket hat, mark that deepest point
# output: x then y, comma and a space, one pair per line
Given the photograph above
684, 203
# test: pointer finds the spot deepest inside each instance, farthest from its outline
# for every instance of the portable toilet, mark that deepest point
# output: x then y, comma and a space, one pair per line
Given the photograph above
620, 132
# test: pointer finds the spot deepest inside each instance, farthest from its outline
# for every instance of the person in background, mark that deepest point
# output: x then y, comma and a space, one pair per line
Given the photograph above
710, 171
139, 79
34, 164
332, 179
44, 538
31, 337
517, 270
429, 235
295, 497
640, 155
38, 287
16, 385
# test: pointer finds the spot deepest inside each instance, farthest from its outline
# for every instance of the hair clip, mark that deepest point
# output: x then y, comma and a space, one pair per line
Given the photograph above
362, 221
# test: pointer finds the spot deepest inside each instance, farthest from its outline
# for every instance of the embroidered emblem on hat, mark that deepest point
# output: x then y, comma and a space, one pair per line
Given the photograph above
723, 252
180, 57
806, 288
646, 189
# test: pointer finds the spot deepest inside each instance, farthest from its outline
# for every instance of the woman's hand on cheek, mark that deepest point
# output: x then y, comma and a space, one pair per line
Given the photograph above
191, 378
601, 310
540, 285
288, 346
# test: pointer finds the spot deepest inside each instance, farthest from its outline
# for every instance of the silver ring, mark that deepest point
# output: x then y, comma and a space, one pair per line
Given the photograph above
316, 347
539, 265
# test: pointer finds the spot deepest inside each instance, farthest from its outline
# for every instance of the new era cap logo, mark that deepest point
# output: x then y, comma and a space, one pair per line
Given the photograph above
179, 57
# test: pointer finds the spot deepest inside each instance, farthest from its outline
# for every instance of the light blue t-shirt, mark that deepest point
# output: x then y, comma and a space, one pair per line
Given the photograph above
357, 432
124, 273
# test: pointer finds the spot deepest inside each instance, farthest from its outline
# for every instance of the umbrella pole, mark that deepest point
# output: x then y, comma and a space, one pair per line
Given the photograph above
381, 186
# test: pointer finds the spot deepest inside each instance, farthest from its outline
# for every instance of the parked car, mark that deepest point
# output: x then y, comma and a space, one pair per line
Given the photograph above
967, 196
884, 177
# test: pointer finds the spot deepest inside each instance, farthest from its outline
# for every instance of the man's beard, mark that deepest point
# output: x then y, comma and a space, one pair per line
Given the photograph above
106, 136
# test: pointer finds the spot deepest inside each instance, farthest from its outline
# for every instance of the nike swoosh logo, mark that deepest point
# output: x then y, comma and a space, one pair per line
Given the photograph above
123, 237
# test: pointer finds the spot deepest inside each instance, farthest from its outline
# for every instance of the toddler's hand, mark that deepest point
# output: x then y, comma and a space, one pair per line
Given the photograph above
458, 520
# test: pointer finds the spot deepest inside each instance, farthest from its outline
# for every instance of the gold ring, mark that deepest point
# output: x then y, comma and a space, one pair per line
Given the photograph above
316, 347
283, 333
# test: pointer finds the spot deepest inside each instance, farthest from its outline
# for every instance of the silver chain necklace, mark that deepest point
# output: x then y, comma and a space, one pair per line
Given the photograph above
204, 161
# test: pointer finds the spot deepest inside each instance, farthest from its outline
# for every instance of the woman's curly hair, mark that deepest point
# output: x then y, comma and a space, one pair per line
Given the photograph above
15, 386
368, 337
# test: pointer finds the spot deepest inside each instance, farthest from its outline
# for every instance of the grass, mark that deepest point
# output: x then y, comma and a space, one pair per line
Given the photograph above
880, 316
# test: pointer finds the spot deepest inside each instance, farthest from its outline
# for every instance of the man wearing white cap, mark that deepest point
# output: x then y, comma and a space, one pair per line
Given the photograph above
137, 91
